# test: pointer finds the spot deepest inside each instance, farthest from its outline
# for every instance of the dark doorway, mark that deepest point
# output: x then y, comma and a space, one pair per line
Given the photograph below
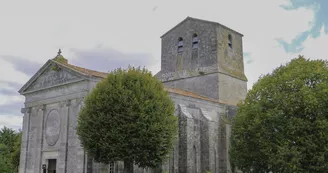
52, 165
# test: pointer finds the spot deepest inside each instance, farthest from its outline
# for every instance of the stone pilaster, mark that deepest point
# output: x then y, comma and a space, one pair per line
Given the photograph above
24, 144
214, 146
228, 135
185, 140
32, 134
224, 165
62, 162
80, 155
173, 160
205, 141
39, 137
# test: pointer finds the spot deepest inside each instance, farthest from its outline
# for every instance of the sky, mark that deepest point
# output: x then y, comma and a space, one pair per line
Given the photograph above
104, 35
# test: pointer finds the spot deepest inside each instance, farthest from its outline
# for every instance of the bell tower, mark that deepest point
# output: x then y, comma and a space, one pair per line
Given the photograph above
206, 58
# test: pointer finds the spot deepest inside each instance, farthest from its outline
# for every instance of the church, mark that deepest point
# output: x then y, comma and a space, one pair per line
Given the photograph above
203, 72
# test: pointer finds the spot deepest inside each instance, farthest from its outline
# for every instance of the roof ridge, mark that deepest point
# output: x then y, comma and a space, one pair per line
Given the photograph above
87, 69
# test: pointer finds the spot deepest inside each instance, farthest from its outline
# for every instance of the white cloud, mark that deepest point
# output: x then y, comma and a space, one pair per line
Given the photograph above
316, 48
36, 29
14, 122
8, 73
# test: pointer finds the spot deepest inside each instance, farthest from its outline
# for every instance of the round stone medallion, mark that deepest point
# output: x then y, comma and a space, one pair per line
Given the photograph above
52, 127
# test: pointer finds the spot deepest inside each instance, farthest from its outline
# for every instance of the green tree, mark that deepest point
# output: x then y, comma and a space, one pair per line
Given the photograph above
8, 137
282, 125
5, 165
128, 117
15, 155
10, 142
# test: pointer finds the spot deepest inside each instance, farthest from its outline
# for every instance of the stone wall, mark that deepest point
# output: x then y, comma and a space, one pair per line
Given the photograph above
231, 90
203, 85
199, 134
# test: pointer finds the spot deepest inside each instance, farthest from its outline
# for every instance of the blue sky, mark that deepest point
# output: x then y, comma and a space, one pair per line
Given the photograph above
103, 35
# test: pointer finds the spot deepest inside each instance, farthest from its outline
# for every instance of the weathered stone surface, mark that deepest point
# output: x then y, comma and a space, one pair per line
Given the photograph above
52, 127
51, 77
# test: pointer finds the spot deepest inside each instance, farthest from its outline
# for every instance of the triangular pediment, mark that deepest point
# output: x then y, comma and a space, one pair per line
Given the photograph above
50, 75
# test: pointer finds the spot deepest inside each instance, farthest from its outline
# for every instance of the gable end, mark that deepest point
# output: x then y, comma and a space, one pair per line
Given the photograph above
51, 74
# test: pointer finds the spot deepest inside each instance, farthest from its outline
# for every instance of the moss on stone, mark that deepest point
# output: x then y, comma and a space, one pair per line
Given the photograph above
60, 59
55, 68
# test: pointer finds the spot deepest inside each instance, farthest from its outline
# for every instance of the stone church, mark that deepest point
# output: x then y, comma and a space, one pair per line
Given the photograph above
203, 71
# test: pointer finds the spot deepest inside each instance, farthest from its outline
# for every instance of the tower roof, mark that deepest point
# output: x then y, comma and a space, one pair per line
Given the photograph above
201, 20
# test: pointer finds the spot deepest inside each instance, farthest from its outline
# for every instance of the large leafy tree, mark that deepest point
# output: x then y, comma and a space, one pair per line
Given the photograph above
9, 150
128, 117
282, 125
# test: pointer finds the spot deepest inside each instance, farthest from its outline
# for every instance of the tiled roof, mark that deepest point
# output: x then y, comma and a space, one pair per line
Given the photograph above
87, 71
170, 90
61, 60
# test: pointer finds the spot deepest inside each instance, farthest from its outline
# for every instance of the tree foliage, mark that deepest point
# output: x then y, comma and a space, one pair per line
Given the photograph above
128, 117
9, 150
282, 125
15, 154
5, 165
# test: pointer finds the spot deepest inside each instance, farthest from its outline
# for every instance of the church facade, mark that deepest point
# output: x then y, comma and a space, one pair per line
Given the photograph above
203, 71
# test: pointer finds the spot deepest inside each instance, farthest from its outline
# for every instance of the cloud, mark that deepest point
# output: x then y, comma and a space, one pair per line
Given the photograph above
320, 8
107, 59
9, 88
7, 92
14, 122
10, 84
316, 48
11, 108
23, 65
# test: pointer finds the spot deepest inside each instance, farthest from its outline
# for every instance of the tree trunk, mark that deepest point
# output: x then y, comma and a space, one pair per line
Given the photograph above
128, 167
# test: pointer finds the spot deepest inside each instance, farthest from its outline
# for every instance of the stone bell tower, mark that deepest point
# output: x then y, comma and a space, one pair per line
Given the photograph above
206, 58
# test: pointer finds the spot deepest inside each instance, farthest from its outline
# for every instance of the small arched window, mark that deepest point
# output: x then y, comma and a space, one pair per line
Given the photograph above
180, 45
195, 41
230, 41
